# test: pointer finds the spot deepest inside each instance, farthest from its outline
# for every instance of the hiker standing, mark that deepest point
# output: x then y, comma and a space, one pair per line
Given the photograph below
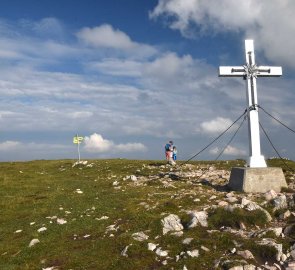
174, 153
169, 152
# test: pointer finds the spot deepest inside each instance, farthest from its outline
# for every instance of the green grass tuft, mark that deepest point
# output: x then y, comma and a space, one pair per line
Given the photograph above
221, 217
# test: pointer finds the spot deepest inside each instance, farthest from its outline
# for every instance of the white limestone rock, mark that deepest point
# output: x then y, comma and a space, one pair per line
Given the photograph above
285, 215
280, 202
251, 206
270, 195
205, 248
246, 254
42, 229
232, 199
61, 221
198, 217
140, 236
161, 253
34, 242
193, 253
124, 251
152, 246
187, 241
171, 223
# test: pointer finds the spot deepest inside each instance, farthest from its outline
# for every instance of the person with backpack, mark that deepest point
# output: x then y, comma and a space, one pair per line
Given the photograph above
169, 152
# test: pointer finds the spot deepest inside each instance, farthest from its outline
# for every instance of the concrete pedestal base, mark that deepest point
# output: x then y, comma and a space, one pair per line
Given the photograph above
254, 180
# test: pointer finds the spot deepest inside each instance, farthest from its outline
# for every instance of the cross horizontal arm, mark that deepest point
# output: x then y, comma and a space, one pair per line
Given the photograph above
231, 71
266, 71
260, 71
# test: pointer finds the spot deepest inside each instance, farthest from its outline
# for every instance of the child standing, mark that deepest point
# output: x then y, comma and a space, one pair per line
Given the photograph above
174, 153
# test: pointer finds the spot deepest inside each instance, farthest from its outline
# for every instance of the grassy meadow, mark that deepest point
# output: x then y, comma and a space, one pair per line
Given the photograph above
89, 212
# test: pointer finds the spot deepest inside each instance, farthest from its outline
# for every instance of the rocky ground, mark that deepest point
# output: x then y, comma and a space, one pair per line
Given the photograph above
122, 214
275, 236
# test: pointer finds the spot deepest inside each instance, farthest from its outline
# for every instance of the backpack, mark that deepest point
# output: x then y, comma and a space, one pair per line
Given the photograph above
167, 147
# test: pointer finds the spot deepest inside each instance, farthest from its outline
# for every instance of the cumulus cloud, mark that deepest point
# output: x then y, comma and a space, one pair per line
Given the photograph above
253, 18
105, 36
95, 143
216, 125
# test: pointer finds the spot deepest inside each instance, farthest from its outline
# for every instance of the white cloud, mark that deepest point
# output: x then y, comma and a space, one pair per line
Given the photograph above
254, 18
169, 65
106, 36
216, 125
97, 144
18, 150
131, 147
229, 150
49, 26
81, 114
118, 67
9, 145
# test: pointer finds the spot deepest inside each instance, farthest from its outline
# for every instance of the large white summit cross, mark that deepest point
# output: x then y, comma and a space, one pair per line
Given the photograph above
250, 72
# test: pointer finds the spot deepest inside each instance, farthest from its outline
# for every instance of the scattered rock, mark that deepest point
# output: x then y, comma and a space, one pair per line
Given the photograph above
102, 218
270, 195
205, 248
61, 221
161, 253
171, 223
34, 242
140, 236
246, 254
232, 199
42, 229
79, 191
152, 246
178, 234
251, 206
285, 215
222, 203
187, 241
193, 253
115, 183
124, 251
81, 162
280, 202
198, 218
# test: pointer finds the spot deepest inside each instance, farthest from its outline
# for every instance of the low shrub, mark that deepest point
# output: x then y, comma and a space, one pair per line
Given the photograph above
221, 217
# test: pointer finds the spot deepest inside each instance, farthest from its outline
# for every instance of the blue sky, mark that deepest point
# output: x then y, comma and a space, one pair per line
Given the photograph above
130, 75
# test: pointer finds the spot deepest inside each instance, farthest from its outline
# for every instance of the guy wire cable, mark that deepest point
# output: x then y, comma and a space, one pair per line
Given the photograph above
214, 139
283, 161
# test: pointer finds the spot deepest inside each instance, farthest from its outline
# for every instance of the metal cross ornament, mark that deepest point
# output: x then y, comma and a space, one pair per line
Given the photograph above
250, 72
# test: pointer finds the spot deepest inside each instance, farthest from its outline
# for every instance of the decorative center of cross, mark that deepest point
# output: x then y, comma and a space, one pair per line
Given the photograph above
251, 71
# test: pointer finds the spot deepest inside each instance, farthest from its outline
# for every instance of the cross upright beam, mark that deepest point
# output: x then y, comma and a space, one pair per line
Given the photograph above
250, 72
